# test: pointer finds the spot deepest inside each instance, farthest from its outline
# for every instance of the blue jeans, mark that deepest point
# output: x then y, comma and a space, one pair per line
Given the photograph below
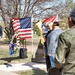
52, 60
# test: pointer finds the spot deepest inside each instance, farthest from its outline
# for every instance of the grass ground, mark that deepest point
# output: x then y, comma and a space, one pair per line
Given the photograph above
33, 72
6, 58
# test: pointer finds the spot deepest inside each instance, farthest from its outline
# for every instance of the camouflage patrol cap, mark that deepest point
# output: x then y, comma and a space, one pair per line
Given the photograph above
56, 24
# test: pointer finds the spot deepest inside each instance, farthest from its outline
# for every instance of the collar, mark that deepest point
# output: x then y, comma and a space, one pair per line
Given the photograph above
56, 28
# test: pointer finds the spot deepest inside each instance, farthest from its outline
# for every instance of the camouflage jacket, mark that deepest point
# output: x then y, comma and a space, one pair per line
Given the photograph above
65, 54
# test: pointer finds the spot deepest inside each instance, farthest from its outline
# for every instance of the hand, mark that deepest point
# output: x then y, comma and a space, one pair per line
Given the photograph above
44, 47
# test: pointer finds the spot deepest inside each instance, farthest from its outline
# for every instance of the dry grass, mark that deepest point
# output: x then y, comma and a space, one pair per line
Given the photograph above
6, 58
33, 72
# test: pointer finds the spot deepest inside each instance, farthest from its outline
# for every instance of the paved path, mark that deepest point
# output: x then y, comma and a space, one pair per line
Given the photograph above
7, 73
9, 68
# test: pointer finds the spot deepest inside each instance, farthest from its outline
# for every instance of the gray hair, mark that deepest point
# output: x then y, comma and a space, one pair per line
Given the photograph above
72, 14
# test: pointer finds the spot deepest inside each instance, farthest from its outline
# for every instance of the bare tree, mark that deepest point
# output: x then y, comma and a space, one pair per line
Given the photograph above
64, 11
39, 9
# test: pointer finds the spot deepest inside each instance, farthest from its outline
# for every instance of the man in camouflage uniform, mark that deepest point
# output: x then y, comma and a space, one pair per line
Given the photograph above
65, 54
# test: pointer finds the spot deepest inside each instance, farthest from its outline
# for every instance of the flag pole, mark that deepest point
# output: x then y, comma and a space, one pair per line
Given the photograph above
32, 33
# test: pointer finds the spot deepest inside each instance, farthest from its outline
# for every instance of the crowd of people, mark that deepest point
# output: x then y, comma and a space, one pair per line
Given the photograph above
60, 47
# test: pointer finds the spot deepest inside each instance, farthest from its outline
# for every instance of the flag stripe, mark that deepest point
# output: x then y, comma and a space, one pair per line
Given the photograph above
51, 19
16, 25
25, 30
28, 34
24, 33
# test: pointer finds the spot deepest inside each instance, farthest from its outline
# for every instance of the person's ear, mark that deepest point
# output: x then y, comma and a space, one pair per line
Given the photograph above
70, 22
70, 19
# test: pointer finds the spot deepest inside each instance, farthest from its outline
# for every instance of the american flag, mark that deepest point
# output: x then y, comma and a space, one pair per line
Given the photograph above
22, 26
